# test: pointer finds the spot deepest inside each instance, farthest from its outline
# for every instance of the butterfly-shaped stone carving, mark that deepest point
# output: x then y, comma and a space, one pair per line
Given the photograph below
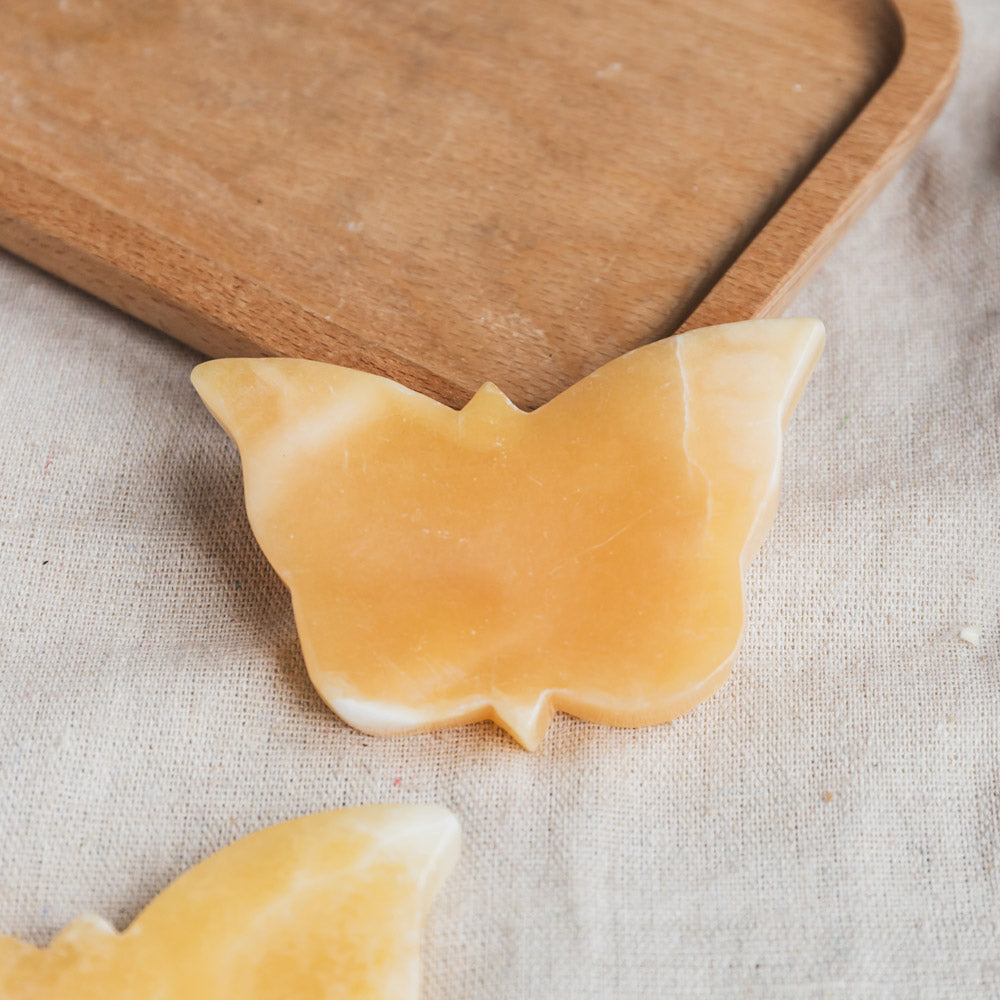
325, 906
448, 566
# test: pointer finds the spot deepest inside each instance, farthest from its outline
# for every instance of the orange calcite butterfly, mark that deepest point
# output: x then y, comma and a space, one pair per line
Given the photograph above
328, 906
448, 566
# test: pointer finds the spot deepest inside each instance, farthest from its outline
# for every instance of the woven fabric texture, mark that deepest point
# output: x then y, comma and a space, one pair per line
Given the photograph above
827, 825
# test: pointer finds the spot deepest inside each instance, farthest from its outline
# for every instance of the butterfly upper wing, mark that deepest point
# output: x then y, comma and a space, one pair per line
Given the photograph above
746, 379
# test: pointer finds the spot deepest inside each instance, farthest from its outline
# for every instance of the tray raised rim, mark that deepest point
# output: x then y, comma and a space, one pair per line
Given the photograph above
762, 280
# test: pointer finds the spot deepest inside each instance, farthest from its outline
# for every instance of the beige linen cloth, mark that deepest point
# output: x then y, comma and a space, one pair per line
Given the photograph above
827, 825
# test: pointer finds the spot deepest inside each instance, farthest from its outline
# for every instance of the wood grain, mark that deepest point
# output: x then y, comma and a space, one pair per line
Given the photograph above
456, 191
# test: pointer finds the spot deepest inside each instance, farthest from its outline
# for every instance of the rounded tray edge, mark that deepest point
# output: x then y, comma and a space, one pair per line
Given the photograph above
793, 242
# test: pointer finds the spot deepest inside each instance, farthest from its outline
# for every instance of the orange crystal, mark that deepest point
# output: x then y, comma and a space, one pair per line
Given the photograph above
448, 566
328, 906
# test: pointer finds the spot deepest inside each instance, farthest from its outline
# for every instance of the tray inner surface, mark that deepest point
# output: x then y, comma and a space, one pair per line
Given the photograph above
510, 191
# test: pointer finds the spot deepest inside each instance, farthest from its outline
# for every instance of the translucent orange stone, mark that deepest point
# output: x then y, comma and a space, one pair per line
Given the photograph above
448, 566
328, 906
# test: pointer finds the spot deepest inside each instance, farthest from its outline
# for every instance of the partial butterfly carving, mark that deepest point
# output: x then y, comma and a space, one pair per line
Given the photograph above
327, 906
449, 566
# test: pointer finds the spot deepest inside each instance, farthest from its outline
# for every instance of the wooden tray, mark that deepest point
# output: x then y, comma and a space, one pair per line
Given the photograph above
453, 191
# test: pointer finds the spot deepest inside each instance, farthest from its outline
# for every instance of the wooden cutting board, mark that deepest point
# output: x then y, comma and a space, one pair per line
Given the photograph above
458, 190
